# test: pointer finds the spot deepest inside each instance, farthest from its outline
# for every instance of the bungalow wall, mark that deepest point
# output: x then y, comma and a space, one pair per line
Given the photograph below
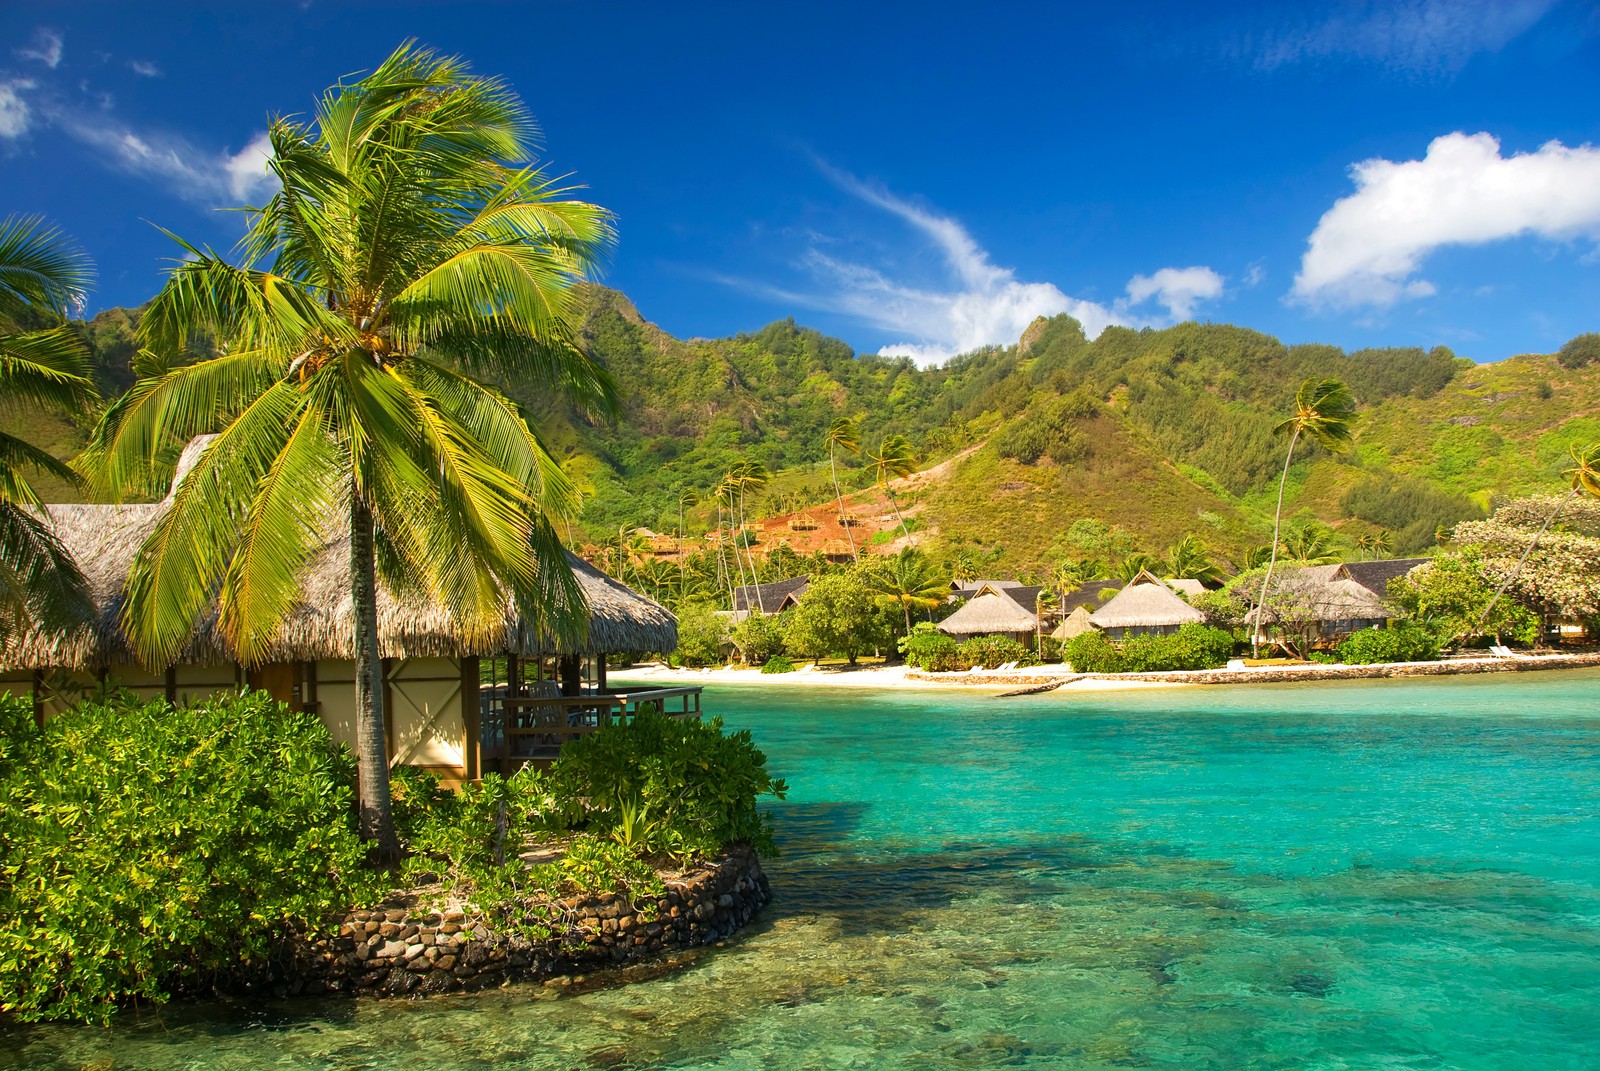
427, 724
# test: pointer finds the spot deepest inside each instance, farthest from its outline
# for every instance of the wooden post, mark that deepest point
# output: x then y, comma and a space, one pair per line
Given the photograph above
388, 712
600, 673
169, 681
571, 670
471, 699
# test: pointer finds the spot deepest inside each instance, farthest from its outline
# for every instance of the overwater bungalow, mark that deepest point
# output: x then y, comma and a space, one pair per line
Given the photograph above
431, 672
1147, 606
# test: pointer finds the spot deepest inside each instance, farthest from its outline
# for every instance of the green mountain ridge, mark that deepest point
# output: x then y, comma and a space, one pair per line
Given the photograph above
1137, 437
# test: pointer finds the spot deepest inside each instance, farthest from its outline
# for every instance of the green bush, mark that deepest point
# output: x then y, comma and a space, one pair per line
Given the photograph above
1091, 652
144, 847
928, 649
670, 786
1402, 641
701, 633
1193, 646
759, 638
777, 664
991, 651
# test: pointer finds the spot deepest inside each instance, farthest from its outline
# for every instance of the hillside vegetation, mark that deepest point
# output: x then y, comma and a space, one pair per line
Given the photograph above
1153, 434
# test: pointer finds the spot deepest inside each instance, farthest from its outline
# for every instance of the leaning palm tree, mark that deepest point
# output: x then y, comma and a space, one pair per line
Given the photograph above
895, 458
1585, 477
842, 435
41, 276
1188, 557
909, 580
411, 248
1323, 410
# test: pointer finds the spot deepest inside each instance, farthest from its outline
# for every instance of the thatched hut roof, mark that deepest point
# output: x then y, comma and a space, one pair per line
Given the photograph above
104, 540
1375, 575
988, 613
1145, 603
1074, 624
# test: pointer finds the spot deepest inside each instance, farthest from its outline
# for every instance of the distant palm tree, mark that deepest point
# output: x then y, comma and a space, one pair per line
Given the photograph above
1188, 557
1363, 544
686, 497
1044, 603
1133, 565
41, 276
908, 579
411, 249
1323, 411
895, 458
964, 567
1381, 542
1311, 543
842, 435
1585, 476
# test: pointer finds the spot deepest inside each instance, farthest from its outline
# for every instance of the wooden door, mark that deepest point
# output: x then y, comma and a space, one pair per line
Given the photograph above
281, 680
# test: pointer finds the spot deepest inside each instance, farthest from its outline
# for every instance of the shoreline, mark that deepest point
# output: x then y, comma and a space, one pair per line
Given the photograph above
1061, 678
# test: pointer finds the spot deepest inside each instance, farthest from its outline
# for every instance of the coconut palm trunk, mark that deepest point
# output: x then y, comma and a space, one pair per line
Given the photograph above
372, 745
838, 496
1272, 560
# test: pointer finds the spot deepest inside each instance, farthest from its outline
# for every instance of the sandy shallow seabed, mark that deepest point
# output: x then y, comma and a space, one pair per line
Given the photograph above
883, 677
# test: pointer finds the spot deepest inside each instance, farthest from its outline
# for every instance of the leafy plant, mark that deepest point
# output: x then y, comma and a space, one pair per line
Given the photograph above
1092, 652
144, 847
991, 651
699, 785
1402, 641
777, 664
928, 649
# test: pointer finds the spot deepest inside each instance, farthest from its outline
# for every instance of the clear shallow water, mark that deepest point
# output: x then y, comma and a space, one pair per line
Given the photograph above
1359, 875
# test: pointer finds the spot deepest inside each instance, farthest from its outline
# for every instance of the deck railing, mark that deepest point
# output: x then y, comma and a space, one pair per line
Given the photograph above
519, 730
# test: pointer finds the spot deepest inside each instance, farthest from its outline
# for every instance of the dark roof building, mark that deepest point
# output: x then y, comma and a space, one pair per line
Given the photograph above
770, 598
1375, 575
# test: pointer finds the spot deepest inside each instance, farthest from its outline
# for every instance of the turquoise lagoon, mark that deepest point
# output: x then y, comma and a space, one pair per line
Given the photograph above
1395, 874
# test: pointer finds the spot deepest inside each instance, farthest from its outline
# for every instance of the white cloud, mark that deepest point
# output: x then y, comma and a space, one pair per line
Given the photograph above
198, 175
46, 48
983, 304
15, 116
144, 69
1420, 36
1255, 273
1367, 248
1178, 290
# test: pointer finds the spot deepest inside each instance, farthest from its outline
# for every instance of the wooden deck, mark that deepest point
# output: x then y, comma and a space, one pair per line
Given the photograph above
520, 730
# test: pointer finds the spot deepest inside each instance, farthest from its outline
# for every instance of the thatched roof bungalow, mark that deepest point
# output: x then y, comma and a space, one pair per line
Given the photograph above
1148, 606
1323, 603
431, 668
991, 614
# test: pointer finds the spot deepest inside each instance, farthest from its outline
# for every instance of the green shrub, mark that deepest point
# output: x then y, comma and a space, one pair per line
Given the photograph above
671, 786
1091, 652
928, 649
991, 651
701, 633
144, 847
759, 638
1402, 641
1193, 646
777, 664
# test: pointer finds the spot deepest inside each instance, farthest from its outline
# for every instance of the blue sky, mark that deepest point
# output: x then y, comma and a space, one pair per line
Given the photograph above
916, 178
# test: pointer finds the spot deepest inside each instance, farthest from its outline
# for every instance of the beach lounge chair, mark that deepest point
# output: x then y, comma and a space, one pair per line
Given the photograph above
1500, 650
1006, 668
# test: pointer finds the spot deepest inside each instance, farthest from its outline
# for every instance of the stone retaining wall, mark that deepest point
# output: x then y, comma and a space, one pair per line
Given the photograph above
402, 948
1270, 674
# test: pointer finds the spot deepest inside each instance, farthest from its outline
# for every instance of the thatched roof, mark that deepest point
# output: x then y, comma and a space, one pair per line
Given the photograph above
1375, 575
1074, 624
988, 613
1145, 603
769, 598
104, 540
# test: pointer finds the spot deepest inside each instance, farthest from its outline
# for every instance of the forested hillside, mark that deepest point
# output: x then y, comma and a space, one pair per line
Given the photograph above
1113, 446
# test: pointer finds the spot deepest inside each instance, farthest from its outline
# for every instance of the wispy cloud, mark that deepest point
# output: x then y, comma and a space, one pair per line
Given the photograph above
1416, 36
47, 48
1368, 248
204, 177
980, 303
16, 117
144, 69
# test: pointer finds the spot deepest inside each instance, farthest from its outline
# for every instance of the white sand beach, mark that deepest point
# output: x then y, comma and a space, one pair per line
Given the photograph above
887, 677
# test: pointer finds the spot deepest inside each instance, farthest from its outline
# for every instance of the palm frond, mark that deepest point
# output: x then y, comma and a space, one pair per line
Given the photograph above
40, 584
40, 269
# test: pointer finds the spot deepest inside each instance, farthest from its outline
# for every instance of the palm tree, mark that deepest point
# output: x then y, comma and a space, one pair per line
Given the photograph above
908, 579
1323, 410
1043, 603
1585, 477
894, 458
411, 248
41, 275
842, 435
1364, 543
686, 497
1133, 565
1381, 542
1188, 557
1312, 543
